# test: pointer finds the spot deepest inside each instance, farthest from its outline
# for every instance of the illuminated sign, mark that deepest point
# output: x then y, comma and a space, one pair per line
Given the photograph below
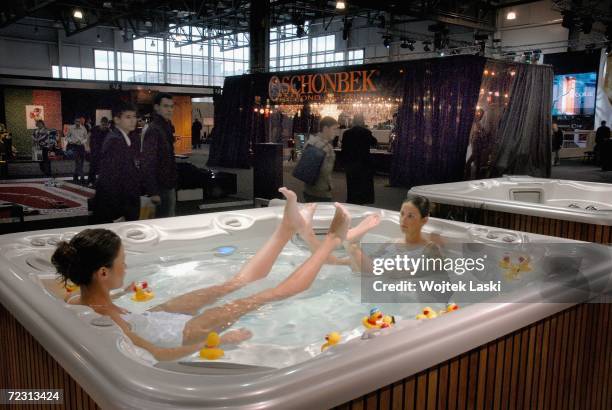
307, 87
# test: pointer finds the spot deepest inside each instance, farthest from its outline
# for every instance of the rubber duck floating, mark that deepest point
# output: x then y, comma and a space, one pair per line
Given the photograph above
211, 351
70, 286
512, 270
331, 339
142, 292
377, 320
427, 313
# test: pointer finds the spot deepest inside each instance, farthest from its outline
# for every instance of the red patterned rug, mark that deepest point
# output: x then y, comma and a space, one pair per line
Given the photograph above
63, 199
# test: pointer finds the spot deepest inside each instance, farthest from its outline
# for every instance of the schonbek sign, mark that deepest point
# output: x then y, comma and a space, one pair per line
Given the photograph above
316, 86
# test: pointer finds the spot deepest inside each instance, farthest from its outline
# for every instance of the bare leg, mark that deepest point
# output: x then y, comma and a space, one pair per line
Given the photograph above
256, 268
222, 317
354, 235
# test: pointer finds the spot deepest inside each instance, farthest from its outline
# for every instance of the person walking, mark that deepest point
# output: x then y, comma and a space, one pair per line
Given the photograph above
77, 139
42, 140
158, 162
96, 142
196, 131
321, 189
601, 135
356, 144
557, 143
118, 187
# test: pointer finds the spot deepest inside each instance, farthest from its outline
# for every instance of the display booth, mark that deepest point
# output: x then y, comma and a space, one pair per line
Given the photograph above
442, 119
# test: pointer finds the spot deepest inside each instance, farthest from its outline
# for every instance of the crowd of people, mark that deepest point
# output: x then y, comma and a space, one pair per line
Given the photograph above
128, 159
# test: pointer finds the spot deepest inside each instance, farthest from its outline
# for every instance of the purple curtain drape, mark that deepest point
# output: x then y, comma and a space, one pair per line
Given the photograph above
434, 120
237, 127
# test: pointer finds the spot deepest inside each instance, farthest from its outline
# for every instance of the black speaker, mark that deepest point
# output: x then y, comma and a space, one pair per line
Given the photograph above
268, 170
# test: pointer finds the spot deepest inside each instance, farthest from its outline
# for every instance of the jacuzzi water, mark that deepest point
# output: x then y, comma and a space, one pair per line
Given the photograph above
284, 332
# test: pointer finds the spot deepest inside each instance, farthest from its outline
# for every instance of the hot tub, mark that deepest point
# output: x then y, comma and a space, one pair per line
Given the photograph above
556, 207
482, 353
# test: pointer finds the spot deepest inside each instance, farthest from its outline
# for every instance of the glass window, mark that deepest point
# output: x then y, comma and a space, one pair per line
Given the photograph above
102, 75
55, 71
100, 58
73, 73
126, 61
152, 62
88, 74
140, 62
140, 44
186, 65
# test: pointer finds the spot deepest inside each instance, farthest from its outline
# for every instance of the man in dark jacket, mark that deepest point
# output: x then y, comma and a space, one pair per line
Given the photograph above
356, 144
96, 142
557, 143
601, 136
196, 130
119, 184
158, 162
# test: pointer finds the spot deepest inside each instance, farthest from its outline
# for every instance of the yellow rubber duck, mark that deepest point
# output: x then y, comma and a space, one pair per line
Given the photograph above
211, 351
377, 320
505, 263
524, 264
332, 339
70, 286
142, 293
428, 313
451, 307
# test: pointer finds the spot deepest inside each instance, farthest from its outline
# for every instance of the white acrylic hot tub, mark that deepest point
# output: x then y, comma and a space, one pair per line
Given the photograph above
588, 202
100, 359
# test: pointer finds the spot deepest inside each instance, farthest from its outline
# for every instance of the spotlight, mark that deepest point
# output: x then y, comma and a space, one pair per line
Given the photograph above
426, 47
98, 39
511, 15
78, 14
387, 40
152, 44
441, 53
409, 44
201, 47
340, 5
148, 24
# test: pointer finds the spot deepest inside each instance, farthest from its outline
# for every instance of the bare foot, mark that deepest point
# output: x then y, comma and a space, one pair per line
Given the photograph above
292, 219
233, 337
369, 223
307, 213
340, 224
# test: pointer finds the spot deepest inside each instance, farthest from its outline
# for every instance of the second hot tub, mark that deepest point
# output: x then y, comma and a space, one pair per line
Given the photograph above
568, 209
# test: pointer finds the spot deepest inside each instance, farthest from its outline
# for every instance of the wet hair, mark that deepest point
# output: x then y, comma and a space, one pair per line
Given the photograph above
161, 96
327, 122
421, 203
85, 253
120, 107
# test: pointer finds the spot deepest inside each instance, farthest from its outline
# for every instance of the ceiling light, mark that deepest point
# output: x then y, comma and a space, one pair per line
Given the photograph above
426, 46
340, 5
98, 39
511, 15
409, 44
387, 40
107, 5
78, 14
148, 23
152, 44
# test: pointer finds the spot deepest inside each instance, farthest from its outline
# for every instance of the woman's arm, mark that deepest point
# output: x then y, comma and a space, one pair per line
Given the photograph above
160, 353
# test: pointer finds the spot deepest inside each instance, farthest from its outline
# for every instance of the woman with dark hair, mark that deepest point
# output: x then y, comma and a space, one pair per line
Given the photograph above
414, 215
94, 259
